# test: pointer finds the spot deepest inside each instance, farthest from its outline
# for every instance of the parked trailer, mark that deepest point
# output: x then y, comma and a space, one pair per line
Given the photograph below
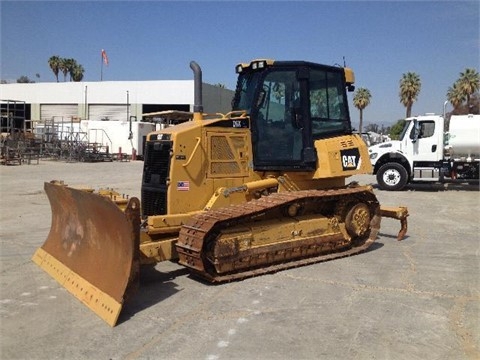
427, 153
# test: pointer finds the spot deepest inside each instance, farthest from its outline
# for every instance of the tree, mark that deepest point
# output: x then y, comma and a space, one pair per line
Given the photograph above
455, 96
71, 65
54, 63
361, 100
76, 73
66, 66
463, 94
410, 86
469, 83
62, 67
397, 129
463, 109
24, 80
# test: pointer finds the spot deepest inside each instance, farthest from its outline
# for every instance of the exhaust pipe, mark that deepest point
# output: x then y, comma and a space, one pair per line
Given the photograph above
198, 104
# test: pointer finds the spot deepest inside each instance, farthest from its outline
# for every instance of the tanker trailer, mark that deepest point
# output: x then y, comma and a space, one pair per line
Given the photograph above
463, 138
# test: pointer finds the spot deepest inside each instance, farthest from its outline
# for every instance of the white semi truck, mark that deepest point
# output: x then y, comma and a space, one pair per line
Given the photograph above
427, 153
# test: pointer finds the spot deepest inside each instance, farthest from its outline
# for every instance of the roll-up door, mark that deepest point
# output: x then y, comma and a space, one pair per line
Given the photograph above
107, 112
58, 112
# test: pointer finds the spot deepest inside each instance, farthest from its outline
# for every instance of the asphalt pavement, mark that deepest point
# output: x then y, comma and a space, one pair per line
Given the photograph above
413, 299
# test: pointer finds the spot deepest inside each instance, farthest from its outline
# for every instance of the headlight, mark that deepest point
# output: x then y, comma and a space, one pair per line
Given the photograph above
373, 156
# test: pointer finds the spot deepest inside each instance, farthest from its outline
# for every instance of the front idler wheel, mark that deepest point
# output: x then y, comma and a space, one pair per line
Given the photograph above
357, 221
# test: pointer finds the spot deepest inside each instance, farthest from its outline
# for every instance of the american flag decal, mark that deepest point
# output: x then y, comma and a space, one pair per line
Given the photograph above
183, 185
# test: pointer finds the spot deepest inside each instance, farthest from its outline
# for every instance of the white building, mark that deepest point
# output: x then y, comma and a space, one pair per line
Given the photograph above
110, 113
111, 100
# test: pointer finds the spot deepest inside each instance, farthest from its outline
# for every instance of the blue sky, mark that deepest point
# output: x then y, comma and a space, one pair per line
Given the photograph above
156, 40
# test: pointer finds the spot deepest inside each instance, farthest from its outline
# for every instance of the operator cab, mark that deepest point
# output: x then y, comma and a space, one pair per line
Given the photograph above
291, 104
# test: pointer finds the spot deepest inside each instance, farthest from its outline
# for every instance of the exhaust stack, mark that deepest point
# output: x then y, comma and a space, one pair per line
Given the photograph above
197, 105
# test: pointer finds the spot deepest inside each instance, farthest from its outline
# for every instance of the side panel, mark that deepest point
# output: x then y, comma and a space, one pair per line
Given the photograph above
183, 168
342, 157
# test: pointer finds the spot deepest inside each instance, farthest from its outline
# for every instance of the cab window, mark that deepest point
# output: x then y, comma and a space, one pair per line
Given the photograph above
279, 138
426, 129
328, 106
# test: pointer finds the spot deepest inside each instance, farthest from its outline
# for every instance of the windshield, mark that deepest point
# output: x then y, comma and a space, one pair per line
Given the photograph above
247, 84
405, 127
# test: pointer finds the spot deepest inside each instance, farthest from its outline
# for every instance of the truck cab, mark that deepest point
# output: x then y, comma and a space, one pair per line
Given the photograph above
416, 156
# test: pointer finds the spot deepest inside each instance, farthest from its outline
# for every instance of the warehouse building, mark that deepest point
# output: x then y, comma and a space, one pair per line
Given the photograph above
107, 100
111, 115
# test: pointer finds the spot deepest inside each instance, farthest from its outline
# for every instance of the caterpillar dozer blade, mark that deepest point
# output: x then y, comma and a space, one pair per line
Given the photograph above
92, 248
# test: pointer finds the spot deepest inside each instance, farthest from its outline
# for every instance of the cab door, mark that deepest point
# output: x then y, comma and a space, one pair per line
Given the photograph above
422, 144
278, 140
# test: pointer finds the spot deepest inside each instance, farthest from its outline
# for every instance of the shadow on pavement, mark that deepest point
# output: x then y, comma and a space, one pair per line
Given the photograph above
155, 286
437, 187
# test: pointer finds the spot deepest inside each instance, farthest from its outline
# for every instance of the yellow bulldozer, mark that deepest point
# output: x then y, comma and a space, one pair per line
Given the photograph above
254, 191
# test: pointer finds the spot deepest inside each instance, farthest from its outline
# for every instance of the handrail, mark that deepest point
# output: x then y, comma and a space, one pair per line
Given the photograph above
193, 152
240, 113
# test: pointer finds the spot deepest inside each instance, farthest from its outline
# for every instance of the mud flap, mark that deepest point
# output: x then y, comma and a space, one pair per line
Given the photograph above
92, 248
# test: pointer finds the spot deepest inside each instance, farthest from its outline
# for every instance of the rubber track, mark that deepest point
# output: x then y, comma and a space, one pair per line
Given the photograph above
193, 234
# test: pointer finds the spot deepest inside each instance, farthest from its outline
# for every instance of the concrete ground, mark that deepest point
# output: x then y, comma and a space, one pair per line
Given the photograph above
414, 299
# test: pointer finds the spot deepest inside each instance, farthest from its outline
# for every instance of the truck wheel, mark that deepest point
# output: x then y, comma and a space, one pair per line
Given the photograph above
392, 176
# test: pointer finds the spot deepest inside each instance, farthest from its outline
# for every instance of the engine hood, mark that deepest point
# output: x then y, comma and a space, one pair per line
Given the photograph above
376, 151
386, 146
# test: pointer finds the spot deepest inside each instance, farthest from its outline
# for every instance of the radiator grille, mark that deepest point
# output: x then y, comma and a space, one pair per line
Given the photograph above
227, 155
221, 149
156, 168
157, 162
154, 201
225, 168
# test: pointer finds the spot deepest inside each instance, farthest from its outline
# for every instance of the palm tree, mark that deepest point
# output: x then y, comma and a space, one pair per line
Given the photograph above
77, 72
62, 67
361, 100
410, 86
72, 64
54, 63
468, 83
455, 96
66, 65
